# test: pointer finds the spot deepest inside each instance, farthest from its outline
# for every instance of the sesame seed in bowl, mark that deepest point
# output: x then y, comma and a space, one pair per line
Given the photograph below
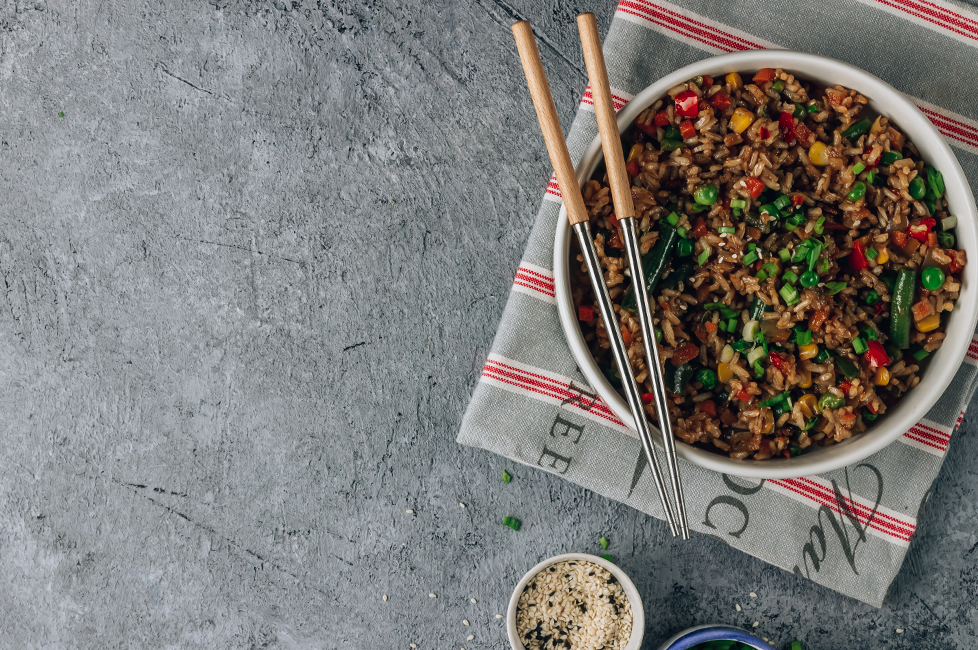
575, 600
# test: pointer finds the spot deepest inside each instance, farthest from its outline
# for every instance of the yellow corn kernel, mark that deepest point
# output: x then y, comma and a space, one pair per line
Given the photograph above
808, 405
635, 152
768, 425
808, 351
883, 257
740, 120
724, 373
735, 81
806, 381
818, 154
882, 377
929, 324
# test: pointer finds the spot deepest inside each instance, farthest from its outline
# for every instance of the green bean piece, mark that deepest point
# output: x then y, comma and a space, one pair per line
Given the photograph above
830, 401
676, 377
859, 128
671, 145
847, 368
900, 316
858, 191
653, 263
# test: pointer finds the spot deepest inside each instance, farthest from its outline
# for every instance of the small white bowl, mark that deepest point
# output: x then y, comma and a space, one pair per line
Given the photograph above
638, 614
944, 363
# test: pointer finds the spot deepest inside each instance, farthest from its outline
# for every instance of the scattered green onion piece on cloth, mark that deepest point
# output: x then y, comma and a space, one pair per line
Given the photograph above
506, 477
512, 523
604, 543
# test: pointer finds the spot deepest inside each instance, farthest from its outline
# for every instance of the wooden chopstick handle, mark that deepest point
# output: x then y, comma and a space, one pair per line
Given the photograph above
604, 109
553, 135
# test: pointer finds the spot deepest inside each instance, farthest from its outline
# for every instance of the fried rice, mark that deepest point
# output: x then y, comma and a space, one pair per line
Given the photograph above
800, 258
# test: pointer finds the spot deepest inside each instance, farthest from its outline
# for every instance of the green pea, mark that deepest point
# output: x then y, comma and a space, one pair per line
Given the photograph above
945, 239
813, 108
658, 335
872, 297
890, 157
809, 279
830, 401
707, 377
706, 194
918, 188
858, 191
777, 86
684, 247
932, 278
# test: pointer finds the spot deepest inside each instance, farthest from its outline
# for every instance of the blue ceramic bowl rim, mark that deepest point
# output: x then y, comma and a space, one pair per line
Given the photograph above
703, 633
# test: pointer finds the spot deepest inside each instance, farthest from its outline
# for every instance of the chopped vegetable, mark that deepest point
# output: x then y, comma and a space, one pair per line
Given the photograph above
673, 218
835, 287
876, 356
900, 316
585, 313
871, 253
751, 330
726, 230
882, 376
670, 145
949, 222
721, 101
764, 75
684, 248
676, 377
890, 157
724, 373
607, 557
932, 278
919, 355
789, 293
921, 230
859, 345
846, 367
858, 168
687, 103
928, 324
754, 186
857, 129
506, 477
917, 188
857, 258
809, 350
740, 203
945, 239
734, 80
511, 522
935, 182
687, 130
787, 125
653, 263
740, 120
604, 543
790, 277
830, 401
704, 256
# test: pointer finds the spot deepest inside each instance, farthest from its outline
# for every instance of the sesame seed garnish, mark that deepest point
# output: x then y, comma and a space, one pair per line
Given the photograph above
499, 615
465, 623
461, 505
753, 595
470, 637
414, 645
385, 598
756, 623
899, 630
472, 600
409, 511
738, 608
432, 596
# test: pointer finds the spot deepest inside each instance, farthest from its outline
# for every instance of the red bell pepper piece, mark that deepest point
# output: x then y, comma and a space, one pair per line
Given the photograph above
743, 395
709, 407
726, 203
958, 260
876, 356
707, 81
804, 134
585, 313
721, 101
899, 238
662, 118
687, 130
764, 133
845, 386
613, 219
871, 162
797, 200
764, 76
857, 258
647, 398
699, 228
921, 230
633, 168
787, 125
775, 360
685, 353
754, 186
687, 103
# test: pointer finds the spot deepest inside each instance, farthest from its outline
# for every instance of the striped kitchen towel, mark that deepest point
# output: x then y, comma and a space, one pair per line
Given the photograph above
850, 529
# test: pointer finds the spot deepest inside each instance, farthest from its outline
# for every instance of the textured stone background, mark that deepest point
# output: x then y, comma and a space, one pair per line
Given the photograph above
249, 279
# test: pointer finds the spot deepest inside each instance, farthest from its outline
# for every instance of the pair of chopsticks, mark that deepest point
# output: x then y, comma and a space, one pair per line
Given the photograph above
621, 193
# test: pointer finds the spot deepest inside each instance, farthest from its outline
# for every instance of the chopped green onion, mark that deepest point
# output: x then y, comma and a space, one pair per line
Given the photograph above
809, 279
820, 226
727, 229
782, 202
835, 287
701, 260
949, 223
858, 168
506, 477
758, 369
714, 305
830, 401
803, 338
935, 181
777, 399
871, 253
859, 346
824, 265
871, 177
763, 340
681, 232
797, 220
784, 254
750, 258
607, 557
670, 145
870, 334
890, 157
770, 268
750, 330
791, 226
752, 247
604, 543
737, 212
761, 275
822, 356
789, 293
512, 523
738, 203
722, 326
920, 354
813, 108
770, 208
754, 356
857, 129
673, 219
790, 277
868, 415
732, 325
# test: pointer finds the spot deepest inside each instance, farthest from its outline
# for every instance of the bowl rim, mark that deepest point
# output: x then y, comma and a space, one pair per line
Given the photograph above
961, 326
697, 634
638, 610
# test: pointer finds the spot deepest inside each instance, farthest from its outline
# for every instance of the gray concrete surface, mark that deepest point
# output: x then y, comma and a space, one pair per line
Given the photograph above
248, 281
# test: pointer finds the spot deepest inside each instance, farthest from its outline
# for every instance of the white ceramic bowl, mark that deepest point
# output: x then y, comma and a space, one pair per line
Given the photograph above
886, 100
638, 613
